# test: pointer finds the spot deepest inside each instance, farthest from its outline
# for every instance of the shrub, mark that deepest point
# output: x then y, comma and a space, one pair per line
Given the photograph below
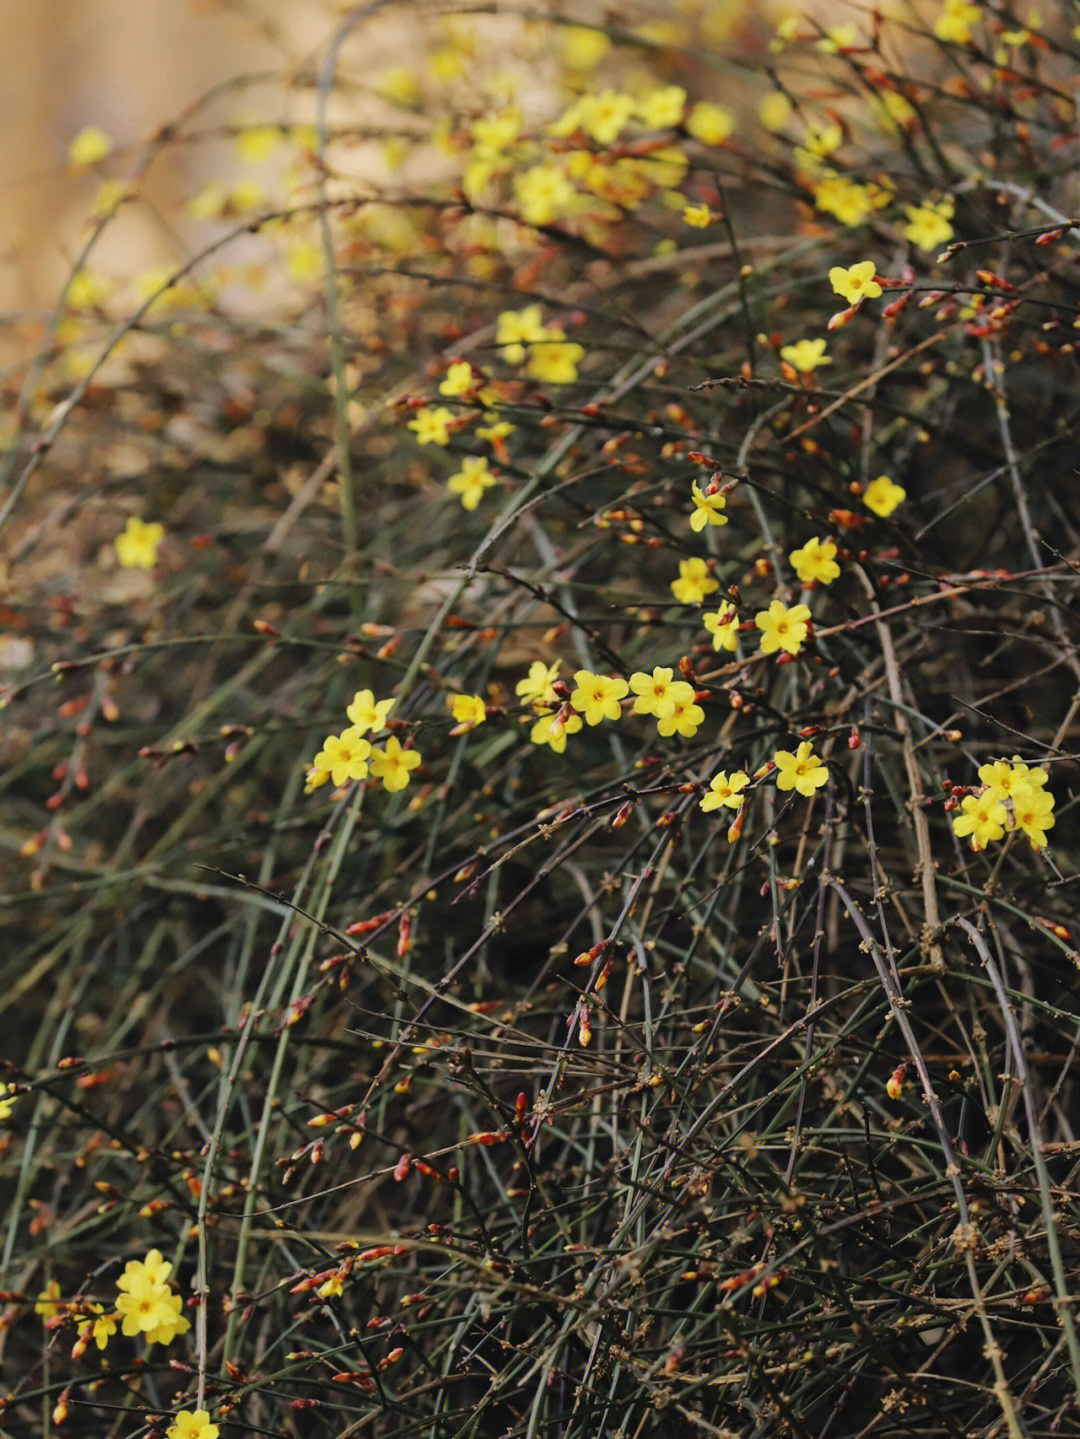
546, 815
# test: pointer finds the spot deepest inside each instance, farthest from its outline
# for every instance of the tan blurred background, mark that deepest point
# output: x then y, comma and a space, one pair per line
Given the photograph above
128, 66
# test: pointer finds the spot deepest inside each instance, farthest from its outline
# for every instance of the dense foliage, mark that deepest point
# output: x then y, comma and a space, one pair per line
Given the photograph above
538, 806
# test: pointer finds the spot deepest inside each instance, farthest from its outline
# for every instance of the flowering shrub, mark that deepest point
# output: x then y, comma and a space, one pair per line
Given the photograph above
519, 895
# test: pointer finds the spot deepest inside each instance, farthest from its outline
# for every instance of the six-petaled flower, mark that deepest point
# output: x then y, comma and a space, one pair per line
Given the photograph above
723, 625
783, 627
816, 562
803, 771
882, 496
393, 765
708, 508
597, 697
856, 283
725, 790
694, 582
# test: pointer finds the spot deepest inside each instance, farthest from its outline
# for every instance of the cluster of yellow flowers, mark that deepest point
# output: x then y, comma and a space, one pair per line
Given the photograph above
146, 1306
1013, 797
803, 771
351, 756
567, 171
545, 350
553, 723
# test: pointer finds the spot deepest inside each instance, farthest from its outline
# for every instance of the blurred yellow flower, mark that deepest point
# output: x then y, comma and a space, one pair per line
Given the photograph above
806, 355
89, 146
471, 481
928, 225
137, 547
709, 123
882, 496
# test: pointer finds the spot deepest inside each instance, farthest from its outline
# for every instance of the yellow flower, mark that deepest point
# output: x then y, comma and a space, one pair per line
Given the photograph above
683, 718
304, 261
146, 1303
137, 547
694, 582
928, 225
460, 379
657, 693
849, 202
170, 1322
86, 290
47, 1305
471, 481
1033, 811
603, 116
955, 21
984, 818
664, 108
723, 625
89, 146
432, 426
515, 329
6, 1105
597, 696
1002, 780
583, 47
547, 730
258, 142
709, 123
895, 110
192, 1424
332, 1287
806, 356
841, 37
496, 133
155, 1268
554, 361
816, 561
544, 194
882, 496
775, 111
856, 283
468, 709
724, 791
393, 764
1031, 775
368, 715
1020, 789
98, 1330
315, 778
535, 688
782, 628
707, 508
344, 757
496, 433
400, 86
823, 141
803, 771
697, 215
